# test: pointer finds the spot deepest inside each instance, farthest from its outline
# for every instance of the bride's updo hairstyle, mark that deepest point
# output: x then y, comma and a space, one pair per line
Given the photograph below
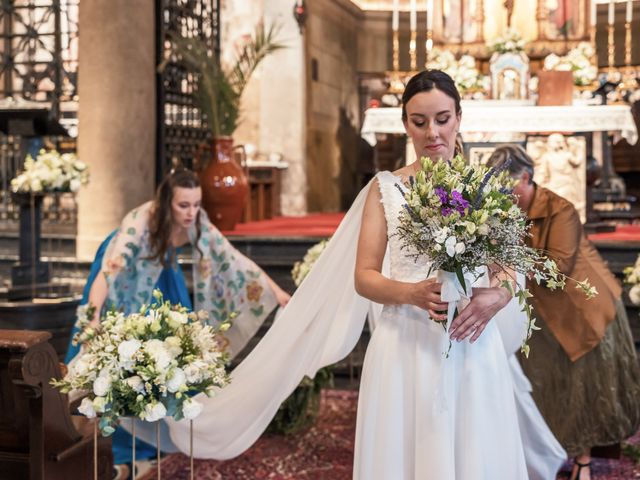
426, 81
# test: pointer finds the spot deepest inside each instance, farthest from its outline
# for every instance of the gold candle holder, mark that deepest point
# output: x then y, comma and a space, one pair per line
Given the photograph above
396, 51
611, 50
412, 51
428, 47
592, 35
95, 449
627, 44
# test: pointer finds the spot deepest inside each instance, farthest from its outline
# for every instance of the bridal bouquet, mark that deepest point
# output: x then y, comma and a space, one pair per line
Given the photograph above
51, 172
464, 218
146, 364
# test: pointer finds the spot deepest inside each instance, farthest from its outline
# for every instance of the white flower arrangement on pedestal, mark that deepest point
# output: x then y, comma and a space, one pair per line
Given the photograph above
463, 71
51, 172
146, 364
510, 42
579, 60
632, 277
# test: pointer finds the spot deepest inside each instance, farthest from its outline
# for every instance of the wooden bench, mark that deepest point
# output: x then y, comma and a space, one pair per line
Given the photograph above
39, 438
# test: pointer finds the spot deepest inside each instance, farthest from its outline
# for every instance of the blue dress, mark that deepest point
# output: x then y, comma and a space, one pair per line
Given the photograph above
172, 285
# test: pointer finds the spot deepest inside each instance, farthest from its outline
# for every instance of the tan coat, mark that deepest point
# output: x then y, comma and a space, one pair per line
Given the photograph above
576, 322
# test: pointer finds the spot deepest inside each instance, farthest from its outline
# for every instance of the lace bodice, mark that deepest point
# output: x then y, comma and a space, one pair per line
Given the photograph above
403, 266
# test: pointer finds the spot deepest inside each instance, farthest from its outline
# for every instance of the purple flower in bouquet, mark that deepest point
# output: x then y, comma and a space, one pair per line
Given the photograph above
442, 194
458, 202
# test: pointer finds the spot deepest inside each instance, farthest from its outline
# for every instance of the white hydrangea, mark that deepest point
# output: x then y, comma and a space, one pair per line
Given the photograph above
191, 408
154, 412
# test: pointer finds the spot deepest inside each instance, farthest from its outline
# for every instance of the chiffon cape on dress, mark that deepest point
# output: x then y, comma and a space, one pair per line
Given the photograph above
321, 325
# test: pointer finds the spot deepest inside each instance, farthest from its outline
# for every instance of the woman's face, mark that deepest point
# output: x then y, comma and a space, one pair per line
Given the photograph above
185, 205
432, 123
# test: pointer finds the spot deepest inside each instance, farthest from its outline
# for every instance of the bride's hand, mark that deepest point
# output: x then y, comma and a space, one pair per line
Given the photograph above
485, 303
282, 297
426, 295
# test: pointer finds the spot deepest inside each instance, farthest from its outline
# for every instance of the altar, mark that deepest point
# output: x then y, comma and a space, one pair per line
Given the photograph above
499, 116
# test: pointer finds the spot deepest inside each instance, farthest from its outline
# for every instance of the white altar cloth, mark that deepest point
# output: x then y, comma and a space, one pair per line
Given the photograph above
499, 116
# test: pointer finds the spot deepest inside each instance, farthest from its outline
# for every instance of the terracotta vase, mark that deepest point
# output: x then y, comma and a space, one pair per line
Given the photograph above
224, 186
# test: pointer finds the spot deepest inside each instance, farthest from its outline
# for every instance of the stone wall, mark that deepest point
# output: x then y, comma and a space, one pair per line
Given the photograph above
332, 103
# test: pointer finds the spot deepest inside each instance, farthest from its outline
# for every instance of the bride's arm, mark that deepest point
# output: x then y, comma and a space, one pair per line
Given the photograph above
370, 283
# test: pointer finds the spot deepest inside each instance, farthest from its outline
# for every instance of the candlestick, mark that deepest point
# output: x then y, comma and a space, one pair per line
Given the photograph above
412, 16
629, 15
396, 51
594, 14
429, 46
395, 18
429, 15
610, 47
612, 12
627, 42
412, 51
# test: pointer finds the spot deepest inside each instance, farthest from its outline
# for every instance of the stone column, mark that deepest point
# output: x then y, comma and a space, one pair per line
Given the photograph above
116, 114
283, 114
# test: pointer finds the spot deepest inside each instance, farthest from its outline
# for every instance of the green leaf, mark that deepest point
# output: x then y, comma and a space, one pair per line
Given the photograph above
460, 276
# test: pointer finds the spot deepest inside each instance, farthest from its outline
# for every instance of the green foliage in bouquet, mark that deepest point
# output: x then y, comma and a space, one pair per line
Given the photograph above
300, 409
220, 89
147, 364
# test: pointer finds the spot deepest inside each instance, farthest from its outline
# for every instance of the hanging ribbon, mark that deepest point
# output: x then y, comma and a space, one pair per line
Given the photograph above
457, 297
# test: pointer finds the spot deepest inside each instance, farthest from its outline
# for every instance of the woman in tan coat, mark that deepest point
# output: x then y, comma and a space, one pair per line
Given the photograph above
583, 365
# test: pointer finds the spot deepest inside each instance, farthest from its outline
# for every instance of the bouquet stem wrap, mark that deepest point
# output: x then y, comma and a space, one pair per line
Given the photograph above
457, 295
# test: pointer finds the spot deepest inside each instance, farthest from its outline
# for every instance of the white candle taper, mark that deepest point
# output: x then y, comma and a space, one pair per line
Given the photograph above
395, 18
429, 15
629, 15
593, 17
612, 10
412, 16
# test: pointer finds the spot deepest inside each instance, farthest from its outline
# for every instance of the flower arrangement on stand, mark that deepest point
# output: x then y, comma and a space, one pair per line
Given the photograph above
147, 364
463, 71
579, 60
51, 172
300, 409
510, 42
465, 218
632, 278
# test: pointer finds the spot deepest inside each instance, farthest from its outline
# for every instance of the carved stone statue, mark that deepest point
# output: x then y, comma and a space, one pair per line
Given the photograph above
560, 166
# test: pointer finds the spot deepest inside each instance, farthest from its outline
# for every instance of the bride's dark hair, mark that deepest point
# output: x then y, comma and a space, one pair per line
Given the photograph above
426, 81
161, 220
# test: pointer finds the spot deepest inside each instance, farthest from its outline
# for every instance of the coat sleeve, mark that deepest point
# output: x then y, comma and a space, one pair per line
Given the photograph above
563, 240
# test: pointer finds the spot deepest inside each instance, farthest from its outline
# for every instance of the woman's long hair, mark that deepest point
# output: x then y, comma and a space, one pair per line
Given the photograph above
161, 222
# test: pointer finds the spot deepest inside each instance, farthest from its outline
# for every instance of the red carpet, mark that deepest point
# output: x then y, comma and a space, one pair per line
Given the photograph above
325, 452
623, 233
315, 225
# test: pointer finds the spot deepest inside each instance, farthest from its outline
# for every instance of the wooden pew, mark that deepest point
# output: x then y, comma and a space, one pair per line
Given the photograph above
39, 438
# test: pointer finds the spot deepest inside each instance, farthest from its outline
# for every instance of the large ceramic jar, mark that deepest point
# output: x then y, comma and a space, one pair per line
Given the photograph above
224, 186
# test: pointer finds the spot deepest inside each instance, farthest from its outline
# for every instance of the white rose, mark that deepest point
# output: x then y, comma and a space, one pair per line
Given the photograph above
172, 344
101, 386
460, 248
193, 373
634, 294
128, 348
175, 380
191, 409
74, 185
156, 349
136, 383
176, 319
86, 408
154, 412
99, 404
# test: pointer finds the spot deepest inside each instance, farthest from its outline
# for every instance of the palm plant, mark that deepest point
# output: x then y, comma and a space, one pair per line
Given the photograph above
219, 89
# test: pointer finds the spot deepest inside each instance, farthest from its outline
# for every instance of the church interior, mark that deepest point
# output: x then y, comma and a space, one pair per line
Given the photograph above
129, 91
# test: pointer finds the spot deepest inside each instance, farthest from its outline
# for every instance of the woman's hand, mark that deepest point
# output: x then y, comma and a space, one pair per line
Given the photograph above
282, 297
426, 295
485, 303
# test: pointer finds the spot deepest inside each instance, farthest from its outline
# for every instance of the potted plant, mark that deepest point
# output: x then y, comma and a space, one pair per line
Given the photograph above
224, 184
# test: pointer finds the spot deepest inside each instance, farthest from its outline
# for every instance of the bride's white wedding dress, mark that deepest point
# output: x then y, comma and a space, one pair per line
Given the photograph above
420, 415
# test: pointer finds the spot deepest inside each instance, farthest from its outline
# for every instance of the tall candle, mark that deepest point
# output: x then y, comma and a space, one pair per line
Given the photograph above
594, 14
612, 10
395, 20
412, 16
629, 15
429, 15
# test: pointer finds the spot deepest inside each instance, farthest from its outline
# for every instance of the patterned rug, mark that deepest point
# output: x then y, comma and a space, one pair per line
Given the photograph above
325, 452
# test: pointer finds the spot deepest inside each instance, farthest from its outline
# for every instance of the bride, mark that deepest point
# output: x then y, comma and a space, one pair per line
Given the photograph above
420, 415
